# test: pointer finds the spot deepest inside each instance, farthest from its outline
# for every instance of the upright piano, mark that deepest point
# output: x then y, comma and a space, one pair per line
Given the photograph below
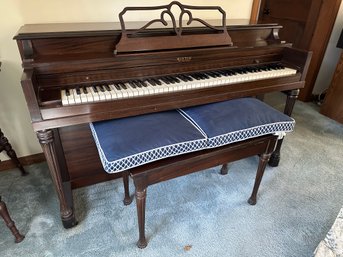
78, 73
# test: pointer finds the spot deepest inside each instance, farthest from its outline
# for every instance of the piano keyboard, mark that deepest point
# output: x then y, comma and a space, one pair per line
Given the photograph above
174, 83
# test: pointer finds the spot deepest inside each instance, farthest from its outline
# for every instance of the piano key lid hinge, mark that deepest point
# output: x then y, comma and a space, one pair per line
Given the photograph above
173, 34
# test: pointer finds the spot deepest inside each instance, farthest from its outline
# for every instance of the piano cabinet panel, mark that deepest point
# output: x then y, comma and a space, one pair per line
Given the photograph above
83, 165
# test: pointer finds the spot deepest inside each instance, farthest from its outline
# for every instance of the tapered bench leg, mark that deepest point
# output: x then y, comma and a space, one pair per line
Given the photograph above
127, 199
140, 202
259, 174
9, 222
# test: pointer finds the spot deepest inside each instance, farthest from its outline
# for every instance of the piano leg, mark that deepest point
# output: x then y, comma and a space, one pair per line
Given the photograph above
46, 139
292, 96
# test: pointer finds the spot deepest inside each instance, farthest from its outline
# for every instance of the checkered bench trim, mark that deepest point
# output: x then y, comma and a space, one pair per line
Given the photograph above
237, 120
129, 142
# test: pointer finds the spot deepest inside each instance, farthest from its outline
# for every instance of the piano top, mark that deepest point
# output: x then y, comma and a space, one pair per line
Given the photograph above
55, 30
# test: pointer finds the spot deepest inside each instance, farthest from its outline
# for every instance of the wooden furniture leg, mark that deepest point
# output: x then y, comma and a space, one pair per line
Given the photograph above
170, 168
224, 170
9, 222
127, 199
140, 203
5, 145
264, 158
46, 139
292, 96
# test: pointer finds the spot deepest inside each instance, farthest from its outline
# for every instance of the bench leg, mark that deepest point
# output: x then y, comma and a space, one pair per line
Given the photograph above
5, 145
9, 222
127, 199
292, 96
140, 202
259, 174
224, 170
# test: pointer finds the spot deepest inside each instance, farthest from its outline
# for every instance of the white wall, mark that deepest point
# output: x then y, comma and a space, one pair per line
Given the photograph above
14, 117
331, 56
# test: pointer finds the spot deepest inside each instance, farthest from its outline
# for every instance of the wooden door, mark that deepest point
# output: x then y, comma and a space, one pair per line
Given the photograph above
294, 16
306, 23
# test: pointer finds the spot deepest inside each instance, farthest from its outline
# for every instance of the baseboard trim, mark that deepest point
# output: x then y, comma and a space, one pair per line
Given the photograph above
26, 160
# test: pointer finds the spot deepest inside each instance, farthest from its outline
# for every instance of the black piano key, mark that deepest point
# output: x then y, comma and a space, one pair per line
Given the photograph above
122, 85
67, 92
133, 85
217, 73
143, 83
107, 87
158, 82
137, 83
95, 89
170, 79
117, 86
203, 75
152, 82
195, 76
101, 88
183, 78
165, 80
189, 78
78, 91
176, 80
84, 90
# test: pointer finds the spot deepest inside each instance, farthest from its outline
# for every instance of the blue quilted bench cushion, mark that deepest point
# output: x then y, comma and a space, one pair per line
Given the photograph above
237, 120
129, 142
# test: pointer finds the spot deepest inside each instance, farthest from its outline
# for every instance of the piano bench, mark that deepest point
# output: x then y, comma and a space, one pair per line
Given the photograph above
157, 147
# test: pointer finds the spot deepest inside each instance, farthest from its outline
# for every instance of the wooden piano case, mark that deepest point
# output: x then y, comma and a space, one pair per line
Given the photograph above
60, 56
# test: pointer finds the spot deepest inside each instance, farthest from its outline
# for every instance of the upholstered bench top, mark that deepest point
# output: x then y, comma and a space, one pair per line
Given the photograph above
237, 120
133, 141
129, 142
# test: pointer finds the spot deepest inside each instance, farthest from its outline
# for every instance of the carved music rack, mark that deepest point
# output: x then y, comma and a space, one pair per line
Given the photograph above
142, 39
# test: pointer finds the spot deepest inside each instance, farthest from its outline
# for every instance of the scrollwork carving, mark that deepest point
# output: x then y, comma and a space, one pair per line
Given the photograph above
132, 40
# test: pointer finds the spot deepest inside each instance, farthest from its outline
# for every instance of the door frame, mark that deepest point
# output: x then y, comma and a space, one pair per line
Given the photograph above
317, 40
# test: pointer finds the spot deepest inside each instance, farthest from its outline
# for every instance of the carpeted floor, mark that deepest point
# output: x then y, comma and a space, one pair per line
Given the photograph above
203, 214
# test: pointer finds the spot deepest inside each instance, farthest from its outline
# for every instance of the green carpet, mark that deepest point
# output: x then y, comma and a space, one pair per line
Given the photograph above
203, 214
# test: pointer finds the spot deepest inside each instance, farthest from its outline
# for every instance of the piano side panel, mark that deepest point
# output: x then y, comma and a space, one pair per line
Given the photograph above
82, 158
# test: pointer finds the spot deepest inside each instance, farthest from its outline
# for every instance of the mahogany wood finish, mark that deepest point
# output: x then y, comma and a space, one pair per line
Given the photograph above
307, 24
7, 147
9, 222
25, 160
135, 41
170, 168
60, 56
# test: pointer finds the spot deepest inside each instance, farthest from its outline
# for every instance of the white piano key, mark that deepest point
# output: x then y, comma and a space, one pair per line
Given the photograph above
102, 95
84, 98
64, 97
89, 96
95, 94
151, 87
77, 97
